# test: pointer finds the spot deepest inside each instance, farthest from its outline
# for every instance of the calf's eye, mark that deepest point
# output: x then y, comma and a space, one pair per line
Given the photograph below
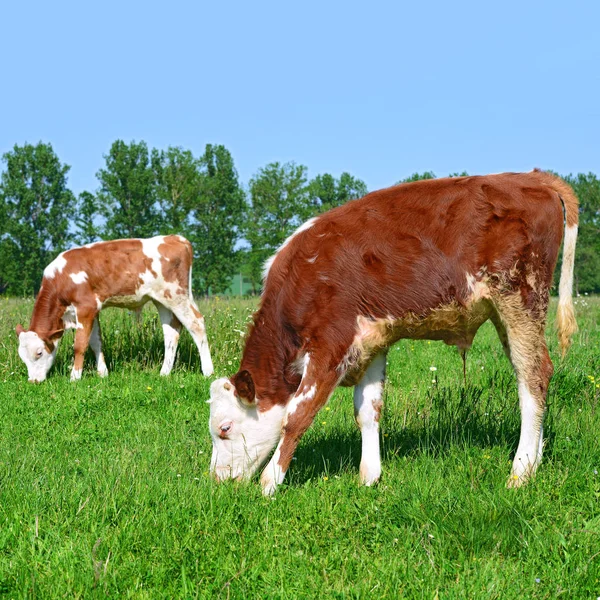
225, 428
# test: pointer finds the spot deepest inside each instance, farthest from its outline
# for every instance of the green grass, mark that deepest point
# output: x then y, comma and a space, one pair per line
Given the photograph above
104, 486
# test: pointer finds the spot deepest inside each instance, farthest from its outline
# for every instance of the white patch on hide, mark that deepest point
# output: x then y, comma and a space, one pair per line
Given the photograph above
69, 318
269, 262
299, 399
477, 287
153, 282
148, 277
56, 266
79, 278
150, 249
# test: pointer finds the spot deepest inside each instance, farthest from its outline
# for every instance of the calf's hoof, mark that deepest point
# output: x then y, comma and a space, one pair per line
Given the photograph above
369, 474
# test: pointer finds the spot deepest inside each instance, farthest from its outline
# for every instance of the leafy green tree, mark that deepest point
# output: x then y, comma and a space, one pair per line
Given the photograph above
326, 192
587, 254
127, 192
279, 199
177, 176
245, 270
430, 175
217, 212
35, 208
87, 229
418, 177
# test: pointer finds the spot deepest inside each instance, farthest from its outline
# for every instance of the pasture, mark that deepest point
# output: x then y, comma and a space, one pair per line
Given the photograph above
105, 492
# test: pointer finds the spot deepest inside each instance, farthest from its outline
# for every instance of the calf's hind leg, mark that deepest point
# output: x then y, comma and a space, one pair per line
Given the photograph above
171, 327
96, 344
367, 409
193, 321
529, 356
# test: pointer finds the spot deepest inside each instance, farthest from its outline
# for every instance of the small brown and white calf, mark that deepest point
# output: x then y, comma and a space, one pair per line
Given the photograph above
424, 260
80, 282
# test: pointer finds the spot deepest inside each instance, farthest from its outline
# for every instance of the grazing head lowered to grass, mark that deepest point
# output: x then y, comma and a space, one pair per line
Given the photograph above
424, 260
80, 282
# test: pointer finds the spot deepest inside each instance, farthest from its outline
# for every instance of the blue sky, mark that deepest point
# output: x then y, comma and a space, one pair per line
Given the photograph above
379, 89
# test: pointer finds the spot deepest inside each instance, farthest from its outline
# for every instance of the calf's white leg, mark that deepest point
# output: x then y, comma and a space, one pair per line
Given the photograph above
193, 321
171, 328
523, 336
96, 344
529, 451
368, 403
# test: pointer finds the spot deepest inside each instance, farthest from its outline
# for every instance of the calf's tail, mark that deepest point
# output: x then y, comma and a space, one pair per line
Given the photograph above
565, 317
566, 324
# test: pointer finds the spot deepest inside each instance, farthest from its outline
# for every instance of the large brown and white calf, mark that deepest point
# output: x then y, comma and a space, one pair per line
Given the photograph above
425, 260
80, 282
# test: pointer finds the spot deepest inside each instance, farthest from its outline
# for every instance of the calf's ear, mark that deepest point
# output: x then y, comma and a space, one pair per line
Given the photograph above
244, 387
52, 339
55, 335
20, 329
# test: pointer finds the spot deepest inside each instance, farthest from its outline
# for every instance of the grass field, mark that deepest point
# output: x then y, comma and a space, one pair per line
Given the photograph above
104, 486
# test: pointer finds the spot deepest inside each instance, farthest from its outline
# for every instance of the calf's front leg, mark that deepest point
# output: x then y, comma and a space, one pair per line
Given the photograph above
314, 390
82, 339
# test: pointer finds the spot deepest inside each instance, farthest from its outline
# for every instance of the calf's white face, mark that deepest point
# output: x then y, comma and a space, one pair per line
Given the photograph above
242, 436
35, 355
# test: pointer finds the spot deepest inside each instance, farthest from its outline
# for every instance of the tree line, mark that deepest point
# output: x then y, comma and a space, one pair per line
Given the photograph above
144, 192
